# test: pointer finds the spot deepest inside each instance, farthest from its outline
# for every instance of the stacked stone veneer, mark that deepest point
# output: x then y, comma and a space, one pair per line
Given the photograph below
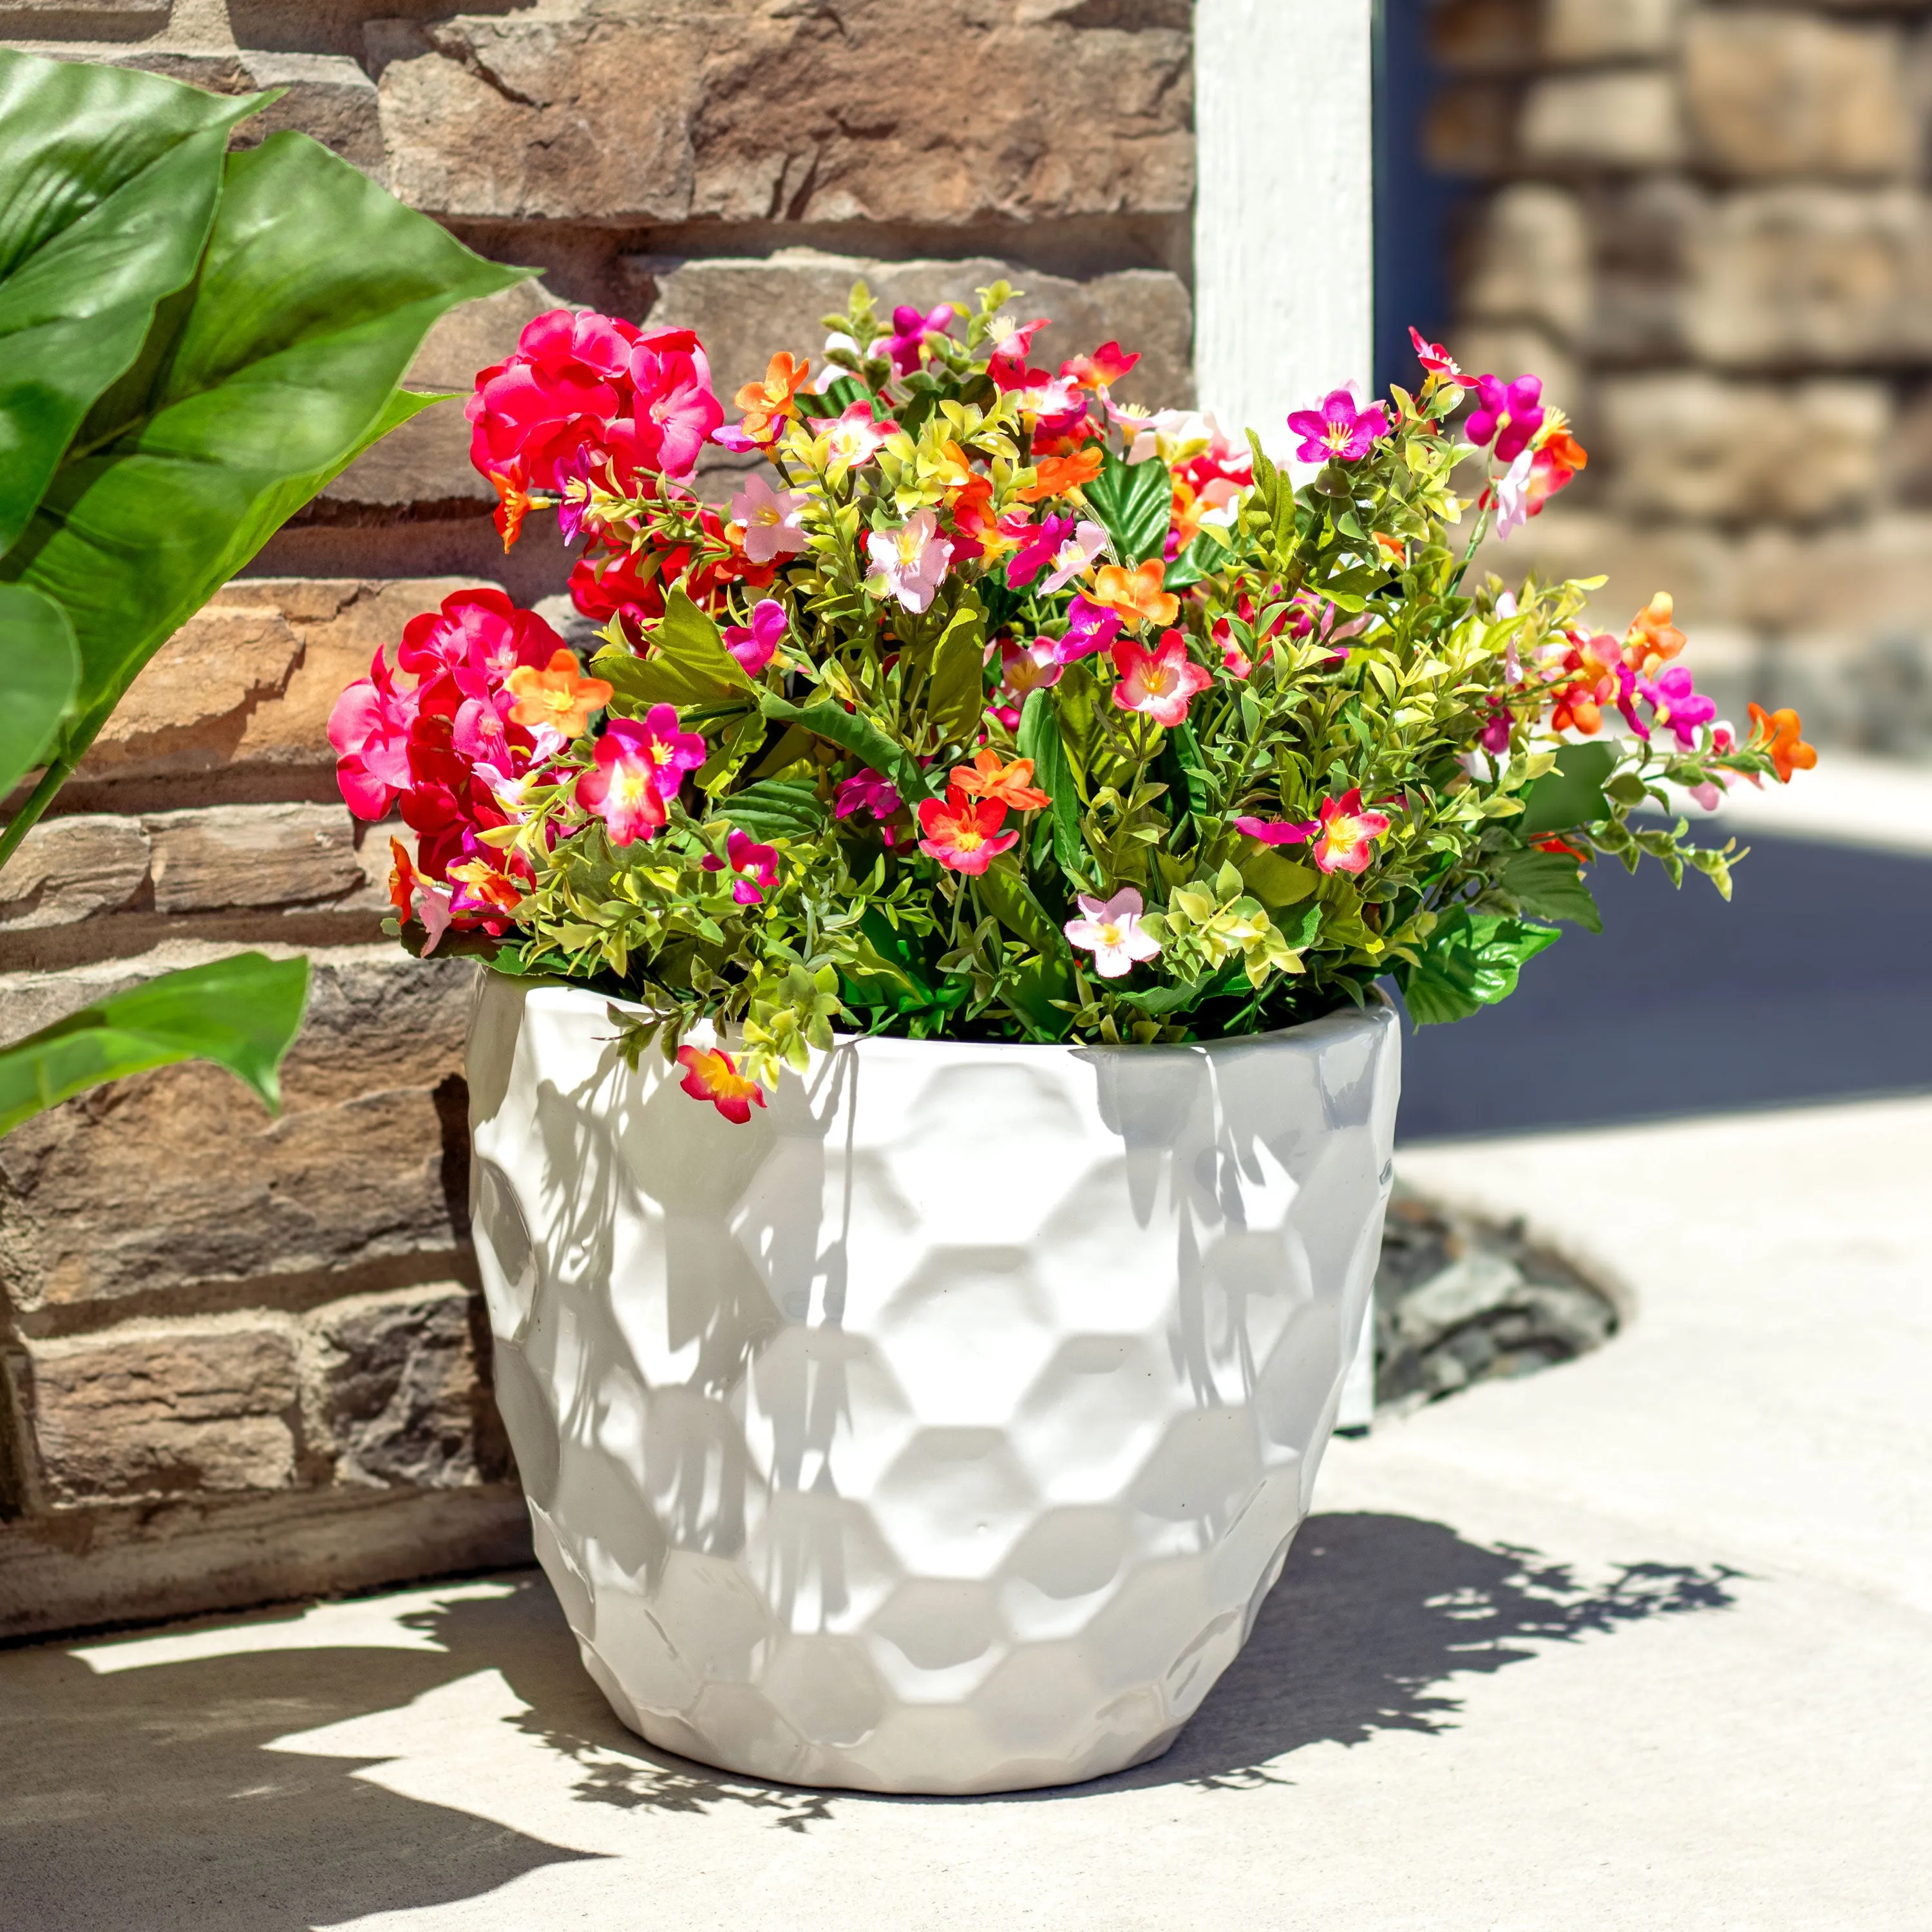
240, 1358
1708, 223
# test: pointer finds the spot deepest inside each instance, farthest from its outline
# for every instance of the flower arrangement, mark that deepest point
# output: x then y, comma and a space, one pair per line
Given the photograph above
990, 707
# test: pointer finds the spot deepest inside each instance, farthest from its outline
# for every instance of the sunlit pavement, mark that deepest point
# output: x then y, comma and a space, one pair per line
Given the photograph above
1645, 1642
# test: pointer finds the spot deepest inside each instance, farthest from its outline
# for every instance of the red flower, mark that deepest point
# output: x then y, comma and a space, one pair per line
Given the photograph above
713, 1075
964, 834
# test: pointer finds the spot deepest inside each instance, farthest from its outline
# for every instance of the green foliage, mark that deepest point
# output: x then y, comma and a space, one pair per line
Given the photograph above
192, 344
241, 1013
1470, 961
1134, 503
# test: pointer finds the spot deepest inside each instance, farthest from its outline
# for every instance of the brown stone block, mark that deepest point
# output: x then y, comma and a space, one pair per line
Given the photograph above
1692, 445
1853, 585
252, 855
1807, 275
246, 686
1604, 30
396, 1393
176, 1179
1773, 92
1484, 36
1529, 261
1618, 118
154, 1409
671, 111
743, 310
68, 869
113, 1563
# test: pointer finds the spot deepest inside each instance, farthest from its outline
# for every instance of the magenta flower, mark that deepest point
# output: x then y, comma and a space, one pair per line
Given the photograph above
1338, 432
755, 867
868, 791
909, 562
481, 732
1091, 627
1495, 736
672, 752
1279, 831
1111, 930
773, 520
1677, 704
622, 788
1436, 360
910, 330
1511, 413
370, 729
755, 645
1036, 548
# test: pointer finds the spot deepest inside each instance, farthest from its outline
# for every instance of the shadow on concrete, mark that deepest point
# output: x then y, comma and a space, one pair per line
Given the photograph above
149, 1798
1374, 1618
1802, 990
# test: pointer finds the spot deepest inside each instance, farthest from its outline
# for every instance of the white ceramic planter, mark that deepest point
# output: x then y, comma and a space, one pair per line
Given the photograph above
942, 1430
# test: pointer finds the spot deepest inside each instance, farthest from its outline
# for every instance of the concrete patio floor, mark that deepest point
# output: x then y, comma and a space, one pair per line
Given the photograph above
1643, 1643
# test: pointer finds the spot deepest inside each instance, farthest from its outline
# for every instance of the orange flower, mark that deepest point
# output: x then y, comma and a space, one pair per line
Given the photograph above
1393, 549
1566, 452
1056, 475
1777, 733
514, 503
1137, 594
558, 696
768, 403
987, 777
1652, 638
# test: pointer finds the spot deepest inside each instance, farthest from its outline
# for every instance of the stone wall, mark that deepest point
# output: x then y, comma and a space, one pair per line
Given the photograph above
242, 1359
1707, 223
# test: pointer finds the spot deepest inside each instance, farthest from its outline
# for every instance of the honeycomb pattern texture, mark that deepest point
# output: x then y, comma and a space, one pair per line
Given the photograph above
943, 1429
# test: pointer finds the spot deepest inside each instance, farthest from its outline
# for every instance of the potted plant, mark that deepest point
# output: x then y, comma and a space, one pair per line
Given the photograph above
932, 1091
197, 342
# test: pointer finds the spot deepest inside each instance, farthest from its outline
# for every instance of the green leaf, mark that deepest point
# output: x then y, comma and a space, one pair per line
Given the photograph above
1135, 501
1274, 880
1570, 796
241, 1013
112, 176
39, 668
1549, 885
688, 665
1471, 960
1201, 558
958, 693
272, 368
1007, 895
774, 809
890, 971
1038, 739
1031, 993
1158, 1001
832, 721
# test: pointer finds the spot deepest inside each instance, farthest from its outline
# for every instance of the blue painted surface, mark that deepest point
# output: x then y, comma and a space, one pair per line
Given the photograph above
1814, 984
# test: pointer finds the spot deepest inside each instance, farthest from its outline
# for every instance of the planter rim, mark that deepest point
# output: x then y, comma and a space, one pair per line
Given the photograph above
1381, 1009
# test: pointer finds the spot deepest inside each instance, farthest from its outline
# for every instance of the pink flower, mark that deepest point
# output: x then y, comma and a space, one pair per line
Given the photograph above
868, 791
756, 866
369, 728
774, 519
1075, 554
1511, 413
1027, 668
566, 369
1234, 660
1279, 831
1337, 431
675, 410
1160, 684
481, 732
1436, 360
910, 330
1038, 542
1091, 627
909, 562
710, 1074
622, 788
756, 645
1348, 834
1111, 930
478, 636
1511, 495
849, 440
1494, 736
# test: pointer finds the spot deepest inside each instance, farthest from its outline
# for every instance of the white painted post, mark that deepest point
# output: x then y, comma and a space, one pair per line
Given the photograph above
1284, 266
1284, 252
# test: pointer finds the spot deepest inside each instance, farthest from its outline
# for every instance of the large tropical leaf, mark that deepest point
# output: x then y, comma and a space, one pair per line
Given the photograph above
39, 668
242, 1013
111, 178
1135, 503
269, 371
